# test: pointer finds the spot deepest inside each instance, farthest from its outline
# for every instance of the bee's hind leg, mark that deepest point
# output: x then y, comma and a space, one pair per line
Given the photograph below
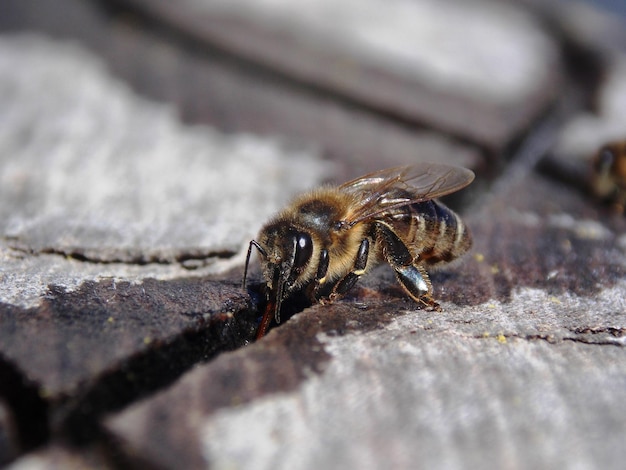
413, 279
415, 282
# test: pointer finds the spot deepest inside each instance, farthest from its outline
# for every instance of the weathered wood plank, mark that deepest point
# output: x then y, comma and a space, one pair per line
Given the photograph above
533, 328
97, 348
482, 71
57, 457
524, 367
210, 87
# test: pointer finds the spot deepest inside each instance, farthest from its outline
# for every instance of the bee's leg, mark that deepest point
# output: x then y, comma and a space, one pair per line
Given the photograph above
413, 279
320, 276
415, 282
344, 284
349, 280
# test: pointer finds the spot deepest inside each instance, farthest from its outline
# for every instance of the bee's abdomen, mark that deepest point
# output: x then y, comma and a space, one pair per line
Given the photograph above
436, 233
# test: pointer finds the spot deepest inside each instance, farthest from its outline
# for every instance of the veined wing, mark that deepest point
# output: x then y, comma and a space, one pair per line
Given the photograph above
389, 189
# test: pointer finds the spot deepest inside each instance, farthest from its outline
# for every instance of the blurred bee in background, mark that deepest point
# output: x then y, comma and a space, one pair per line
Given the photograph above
328, 238
608, 180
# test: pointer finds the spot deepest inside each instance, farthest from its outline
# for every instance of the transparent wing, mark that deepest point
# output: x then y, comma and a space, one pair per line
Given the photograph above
389, 189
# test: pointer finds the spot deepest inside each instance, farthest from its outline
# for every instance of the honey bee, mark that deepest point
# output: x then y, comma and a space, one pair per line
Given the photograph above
328, 238
609, 175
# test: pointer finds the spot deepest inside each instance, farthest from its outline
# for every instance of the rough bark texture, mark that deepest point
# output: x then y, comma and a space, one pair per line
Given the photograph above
142, 146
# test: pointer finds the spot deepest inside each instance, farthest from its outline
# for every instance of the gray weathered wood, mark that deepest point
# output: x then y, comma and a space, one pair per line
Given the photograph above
233, 95
117, 211
480, 70
524, 368
93, 173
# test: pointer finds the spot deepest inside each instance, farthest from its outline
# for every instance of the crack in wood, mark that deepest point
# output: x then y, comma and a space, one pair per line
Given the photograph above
29, 409
219, 318
601, 336
187, 259
79, 417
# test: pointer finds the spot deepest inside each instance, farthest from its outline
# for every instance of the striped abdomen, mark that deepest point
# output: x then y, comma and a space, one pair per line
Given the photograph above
432, 232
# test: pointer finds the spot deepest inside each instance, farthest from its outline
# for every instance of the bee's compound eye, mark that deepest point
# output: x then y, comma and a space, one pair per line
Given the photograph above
304, 250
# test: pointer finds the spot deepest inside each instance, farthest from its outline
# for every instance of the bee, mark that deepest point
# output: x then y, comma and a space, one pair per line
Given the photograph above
328, 238
608, 180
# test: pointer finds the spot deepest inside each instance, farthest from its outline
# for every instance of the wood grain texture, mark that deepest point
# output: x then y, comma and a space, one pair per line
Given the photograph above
209, 86
119, 350
443, 68
524, 367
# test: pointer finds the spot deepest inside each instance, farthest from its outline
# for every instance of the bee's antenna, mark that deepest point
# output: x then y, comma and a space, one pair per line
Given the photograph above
245, 271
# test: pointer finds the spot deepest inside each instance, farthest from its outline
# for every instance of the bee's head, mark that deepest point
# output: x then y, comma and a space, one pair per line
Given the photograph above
285, 253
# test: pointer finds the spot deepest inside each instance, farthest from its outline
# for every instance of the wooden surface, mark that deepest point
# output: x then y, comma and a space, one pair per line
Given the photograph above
141, 147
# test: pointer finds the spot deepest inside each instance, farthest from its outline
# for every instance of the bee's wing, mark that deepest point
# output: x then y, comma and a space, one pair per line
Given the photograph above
378, 192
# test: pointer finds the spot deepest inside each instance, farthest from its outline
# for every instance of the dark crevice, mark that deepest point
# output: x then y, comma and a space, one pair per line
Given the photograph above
79, 417
190, 260
550, 338
586, 68
594, 342
602, 336
608, 330
201, 327
584, 72
30, 410
590, 336
585, 65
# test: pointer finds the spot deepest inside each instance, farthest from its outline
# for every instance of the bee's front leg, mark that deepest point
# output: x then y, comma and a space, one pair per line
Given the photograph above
413, 278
